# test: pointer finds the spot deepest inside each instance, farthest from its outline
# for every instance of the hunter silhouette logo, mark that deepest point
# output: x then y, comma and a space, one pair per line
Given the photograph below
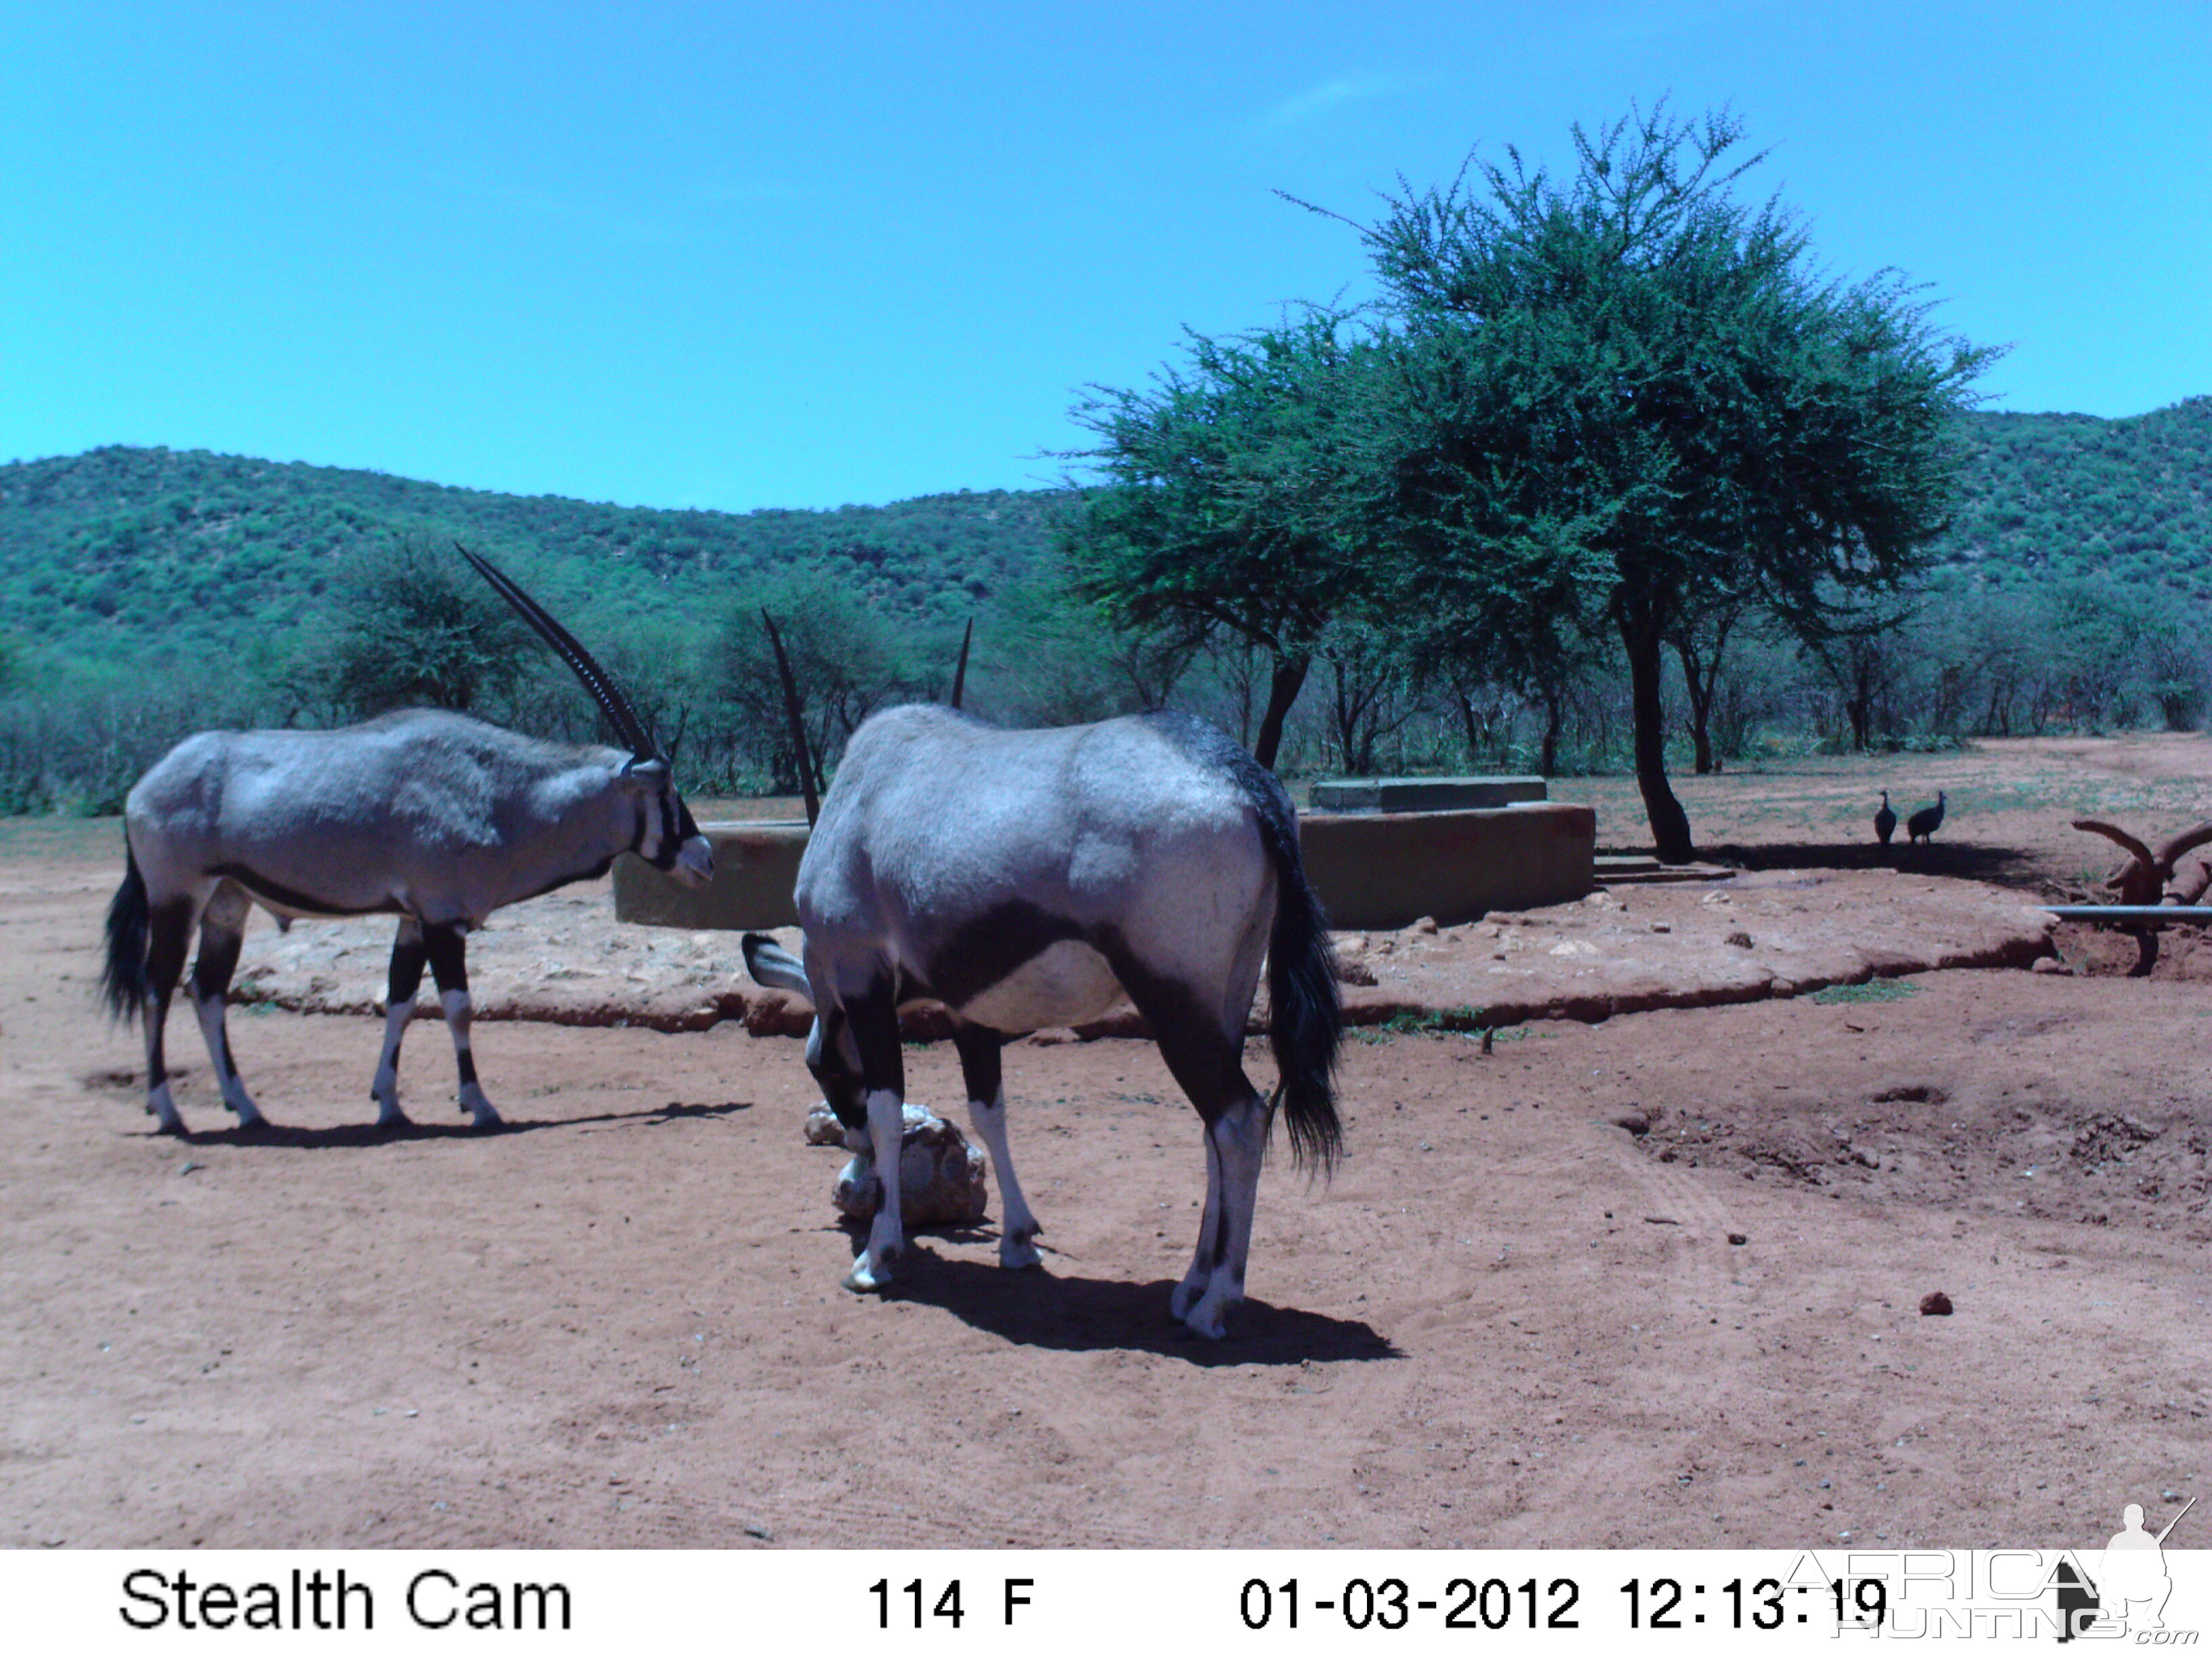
2130, 1589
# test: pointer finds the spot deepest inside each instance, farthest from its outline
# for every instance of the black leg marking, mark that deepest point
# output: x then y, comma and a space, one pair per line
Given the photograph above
168, 937
218, 961
980, 1059
220, 944
447, 947
409, 953
1202, 1058
825, 1057
874, 1014
1208, 1062
980, 1070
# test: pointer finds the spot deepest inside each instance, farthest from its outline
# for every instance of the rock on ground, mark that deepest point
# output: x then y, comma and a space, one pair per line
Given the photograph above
940, 1175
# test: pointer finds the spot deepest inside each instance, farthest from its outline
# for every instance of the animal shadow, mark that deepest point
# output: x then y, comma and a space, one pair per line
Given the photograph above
342, 1135
1047, 1308
1972, 860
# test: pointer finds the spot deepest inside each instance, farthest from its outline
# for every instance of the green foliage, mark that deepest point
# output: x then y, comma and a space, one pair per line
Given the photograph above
1629, 398
847, 658
78, 745
1461, 1021
1048, 655
1231, 501
1257, 500
2064, 497
1874, 990
414, 626
1239, 497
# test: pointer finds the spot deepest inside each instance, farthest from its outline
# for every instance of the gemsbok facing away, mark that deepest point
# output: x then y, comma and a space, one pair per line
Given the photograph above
1030, 878
433, 816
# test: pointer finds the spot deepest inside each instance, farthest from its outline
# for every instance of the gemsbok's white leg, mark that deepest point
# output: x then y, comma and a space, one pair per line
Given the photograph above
874, 1268
1236, 1139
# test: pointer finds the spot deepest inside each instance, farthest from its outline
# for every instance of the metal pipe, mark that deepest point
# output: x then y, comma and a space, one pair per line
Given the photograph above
2199, 913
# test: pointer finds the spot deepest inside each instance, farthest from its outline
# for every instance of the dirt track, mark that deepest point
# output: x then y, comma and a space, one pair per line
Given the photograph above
1509, 1320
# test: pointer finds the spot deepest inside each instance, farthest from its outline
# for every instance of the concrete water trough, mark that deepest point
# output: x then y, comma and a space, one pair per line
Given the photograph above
1387, 869
1375, 866
1424, 794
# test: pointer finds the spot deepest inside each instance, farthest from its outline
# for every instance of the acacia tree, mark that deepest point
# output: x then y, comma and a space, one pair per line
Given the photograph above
848, 660
1234, 495
1627, 398
412, 625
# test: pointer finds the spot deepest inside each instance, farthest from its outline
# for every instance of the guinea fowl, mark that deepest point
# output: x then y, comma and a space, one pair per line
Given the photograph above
1885, 821
1926, 822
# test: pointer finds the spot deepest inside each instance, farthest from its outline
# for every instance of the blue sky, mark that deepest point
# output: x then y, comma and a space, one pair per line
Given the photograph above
737, 255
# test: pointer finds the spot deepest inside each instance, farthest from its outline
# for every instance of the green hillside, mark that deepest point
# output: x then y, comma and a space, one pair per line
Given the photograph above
2056, 496
123, 555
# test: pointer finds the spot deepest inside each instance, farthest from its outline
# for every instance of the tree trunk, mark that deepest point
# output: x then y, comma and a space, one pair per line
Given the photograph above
1555, 719
1474, 747
1700, 686
1283, 687
1859, 706
1642, 627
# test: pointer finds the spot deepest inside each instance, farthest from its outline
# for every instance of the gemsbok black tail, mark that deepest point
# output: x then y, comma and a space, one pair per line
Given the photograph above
122, 980
1305, 1009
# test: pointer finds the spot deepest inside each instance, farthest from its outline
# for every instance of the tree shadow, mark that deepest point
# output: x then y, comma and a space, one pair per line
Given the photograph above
379, 1135
2009, 866
1072, 1313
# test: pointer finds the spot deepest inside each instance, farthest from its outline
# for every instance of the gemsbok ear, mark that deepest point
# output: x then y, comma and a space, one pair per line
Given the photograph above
771, 965
648, 774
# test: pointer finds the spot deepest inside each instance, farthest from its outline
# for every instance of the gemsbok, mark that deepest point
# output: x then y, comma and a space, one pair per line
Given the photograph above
1030, 879
432, 816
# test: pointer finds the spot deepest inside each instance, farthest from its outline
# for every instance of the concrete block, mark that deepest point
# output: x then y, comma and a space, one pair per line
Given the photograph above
1387, 869
1372, 869
1424, 794
756, 867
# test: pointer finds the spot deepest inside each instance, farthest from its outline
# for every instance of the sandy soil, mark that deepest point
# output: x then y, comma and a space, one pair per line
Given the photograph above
1650, 1281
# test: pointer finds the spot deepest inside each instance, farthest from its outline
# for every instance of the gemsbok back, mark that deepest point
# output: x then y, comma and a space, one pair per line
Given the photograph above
1029, 879
435, 816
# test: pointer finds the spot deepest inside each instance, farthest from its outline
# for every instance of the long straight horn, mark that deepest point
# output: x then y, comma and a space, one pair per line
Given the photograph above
960, 673
797, 721
586, 666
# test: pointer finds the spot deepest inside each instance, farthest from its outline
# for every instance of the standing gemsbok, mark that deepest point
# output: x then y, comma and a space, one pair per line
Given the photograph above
435, 816
1031, 878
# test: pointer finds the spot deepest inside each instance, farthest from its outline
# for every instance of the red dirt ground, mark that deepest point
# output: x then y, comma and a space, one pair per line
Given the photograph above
1509, 1320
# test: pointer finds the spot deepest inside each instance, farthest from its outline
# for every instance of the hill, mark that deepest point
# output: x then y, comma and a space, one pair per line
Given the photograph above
125, 556
2058, 496
122, 555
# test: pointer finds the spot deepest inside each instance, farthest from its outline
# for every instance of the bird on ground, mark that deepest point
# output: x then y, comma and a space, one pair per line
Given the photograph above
1926, 822
1885, 821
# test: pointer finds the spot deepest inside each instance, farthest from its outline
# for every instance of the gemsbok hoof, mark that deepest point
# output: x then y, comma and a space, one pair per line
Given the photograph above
1018, 1250
867, 1277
